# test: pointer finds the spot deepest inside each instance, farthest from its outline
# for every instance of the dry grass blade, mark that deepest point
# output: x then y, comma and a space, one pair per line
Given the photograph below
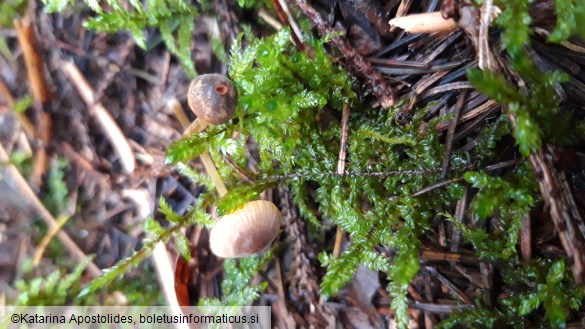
30, 196
34, 64
109, 126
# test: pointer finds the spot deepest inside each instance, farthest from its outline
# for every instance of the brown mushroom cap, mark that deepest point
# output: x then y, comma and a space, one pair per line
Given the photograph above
213, 98
246, 231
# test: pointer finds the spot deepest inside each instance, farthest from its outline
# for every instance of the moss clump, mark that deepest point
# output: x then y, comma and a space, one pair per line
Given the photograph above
289, 107
283, 93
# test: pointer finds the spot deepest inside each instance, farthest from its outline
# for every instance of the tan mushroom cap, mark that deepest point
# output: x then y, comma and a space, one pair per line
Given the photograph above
246, 231
213, 98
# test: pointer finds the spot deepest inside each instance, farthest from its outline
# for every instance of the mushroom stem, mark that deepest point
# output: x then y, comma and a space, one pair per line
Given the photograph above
212, 172
198, 126
195, 127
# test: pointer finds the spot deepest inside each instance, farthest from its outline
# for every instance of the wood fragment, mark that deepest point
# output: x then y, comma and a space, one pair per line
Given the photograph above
40, 162
424, 23
429, 255
287, 19
429, 319
34, 63
526, 238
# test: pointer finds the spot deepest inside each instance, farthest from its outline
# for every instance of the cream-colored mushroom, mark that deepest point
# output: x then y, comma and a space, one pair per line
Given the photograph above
246, 231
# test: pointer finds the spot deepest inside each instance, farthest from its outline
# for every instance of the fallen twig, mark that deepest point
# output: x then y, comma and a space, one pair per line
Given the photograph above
356, 62
39, 89
34, 64
30, 196
424, 23
341, 170
287, 19
109, 126
262, 13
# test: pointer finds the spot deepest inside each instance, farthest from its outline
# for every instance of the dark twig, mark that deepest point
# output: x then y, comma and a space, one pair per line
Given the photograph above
526, 238
434, 255
356, 62
435, 186
239, 171
568, 221
458, 292
451, 133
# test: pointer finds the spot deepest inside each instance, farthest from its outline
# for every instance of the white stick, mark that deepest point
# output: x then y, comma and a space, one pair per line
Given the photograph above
424, 23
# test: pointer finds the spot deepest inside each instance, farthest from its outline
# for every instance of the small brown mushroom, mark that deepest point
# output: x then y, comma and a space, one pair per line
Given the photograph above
246, 231
213, 98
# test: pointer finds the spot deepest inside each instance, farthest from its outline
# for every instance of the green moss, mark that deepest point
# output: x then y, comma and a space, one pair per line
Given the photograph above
55, 289
283, 93
10, 10
290, 106
236, 288
540, 283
